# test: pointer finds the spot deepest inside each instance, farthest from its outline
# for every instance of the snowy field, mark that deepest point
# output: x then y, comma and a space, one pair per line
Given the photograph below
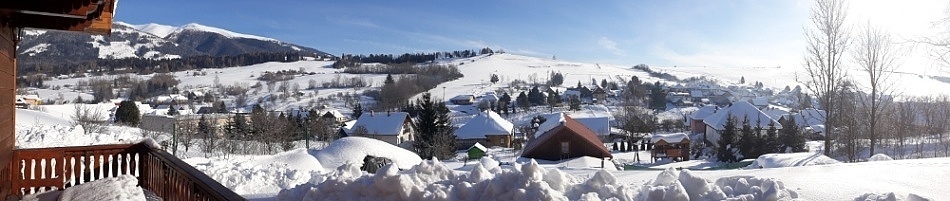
311, 175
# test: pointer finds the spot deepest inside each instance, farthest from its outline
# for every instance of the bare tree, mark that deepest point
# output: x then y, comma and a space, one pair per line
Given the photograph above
90, 118
826, 45
875, 55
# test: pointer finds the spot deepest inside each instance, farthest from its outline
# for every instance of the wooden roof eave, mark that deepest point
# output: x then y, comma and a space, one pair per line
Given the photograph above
90, 16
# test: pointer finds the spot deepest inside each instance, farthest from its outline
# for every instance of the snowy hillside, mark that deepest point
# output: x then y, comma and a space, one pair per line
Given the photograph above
510, 67
908, 81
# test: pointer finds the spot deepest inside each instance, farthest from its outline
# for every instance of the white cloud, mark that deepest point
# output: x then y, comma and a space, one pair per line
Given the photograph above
610, 45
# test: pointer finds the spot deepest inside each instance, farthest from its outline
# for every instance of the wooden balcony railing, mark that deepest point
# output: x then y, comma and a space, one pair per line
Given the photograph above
38, 170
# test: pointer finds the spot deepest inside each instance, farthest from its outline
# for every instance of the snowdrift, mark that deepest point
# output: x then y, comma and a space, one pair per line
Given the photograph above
432, 180
790, 160
349, 150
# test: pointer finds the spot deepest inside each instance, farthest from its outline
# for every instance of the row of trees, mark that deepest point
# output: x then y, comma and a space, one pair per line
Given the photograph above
36, 65
741, 140
349, 60
396, 91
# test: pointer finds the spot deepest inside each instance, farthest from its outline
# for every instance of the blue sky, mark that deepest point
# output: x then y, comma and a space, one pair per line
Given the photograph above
662, 33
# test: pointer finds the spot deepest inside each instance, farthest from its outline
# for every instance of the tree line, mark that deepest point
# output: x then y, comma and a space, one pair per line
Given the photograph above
142, 66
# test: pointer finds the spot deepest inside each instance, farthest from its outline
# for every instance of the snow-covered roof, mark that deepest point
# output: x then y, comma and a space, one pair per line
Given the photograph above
553, 120
490, 98
600, 125
740, 110
389, 123
669, 137
485, 123
479, 146
760, 101
704, 112
775, 113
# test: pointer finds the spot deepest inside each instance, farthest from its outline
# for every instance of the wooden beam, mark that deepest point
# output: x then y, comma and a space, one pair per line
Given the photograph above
7, 108
66, 7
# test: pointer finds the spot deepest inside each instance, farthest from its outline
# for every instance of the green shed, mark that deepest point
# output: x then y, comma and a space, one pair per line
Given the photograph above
476, 151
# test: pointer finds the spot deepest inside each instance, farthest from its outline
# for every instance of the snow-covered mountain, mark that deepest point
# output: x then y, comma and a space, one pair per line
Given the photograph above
148, 41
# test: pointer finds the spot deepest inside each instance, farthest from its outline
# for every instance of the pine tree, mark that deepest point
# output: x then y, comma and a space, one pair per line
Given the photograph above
494, 78
219, 107
574, 103
172, 111
791, 138
772, 144
128, 113
357, 110
436, 136
523, 101
747, 140
727, 140
238, 127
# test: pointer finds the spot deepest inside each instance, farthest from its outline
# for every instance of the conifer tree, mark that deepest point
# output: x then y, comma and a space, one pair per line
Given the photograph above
727, 140
436, 138
128, 113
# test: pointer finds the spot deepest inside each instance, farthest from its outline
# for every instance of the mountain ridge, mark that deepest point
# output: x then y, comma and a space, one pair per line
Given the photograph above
148, 41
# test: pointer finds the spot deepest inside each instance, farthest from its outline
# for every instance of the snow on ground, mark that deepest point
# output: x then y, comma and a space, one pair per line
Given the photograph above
791, 160
122, 187
352, 150
260, 176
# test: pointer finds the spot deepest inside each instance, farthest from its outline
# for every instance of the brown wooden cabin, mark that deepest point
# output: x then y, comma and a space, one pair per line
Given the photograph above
21, 171
570, 139
674, 146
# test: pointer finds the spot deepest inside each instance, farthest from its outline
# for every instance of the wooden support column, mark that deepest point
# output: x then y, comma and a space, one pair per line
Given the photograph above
7, 108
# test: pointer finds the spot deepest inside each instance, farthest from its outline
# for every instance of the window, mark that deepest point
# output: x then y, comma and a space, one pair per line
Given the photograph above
565, 147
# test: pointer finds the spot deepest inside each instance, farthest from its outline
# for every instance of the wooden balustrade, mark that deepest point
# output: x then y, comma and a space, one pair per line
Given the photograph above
43, 169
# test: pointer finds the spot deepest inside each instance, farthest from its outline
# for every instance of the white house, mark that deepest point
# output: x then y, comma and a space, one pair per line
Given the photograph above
486, 128
740, 111
392, 127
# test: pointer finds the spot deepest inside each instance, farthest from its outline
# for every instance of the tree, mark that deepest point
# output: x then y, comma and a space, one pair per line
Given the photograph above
747, 140
657, 97
791, 138
875, 55
574, 102
827, 43
726, 142
742, 80
357, 110
494, 78
220, 107
389, 80
89, 118
436, 136
557, 79
128, 113
172, 110
523, 102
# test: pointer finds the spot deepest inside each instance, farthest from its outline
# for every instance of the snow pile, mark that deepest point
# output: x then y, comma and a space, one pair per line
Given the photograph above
349, 150
683, 185
40, 135
260, 175
791, 160
432, 180
587, 162
880, 157
889, 197
123, 187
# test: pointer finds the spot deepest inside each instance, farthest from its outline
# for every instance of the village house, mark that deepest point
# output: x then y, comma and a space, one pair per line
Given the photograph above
696, 125
562, 137
599, 96
672, 145
740, 111
464, 99
393, 127
27, 101
486, 128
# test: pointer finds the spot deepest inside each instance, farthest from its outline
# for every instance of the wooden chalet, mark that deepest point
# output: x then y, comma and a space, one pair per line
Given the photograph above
23, 170
566, 138
674, 146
